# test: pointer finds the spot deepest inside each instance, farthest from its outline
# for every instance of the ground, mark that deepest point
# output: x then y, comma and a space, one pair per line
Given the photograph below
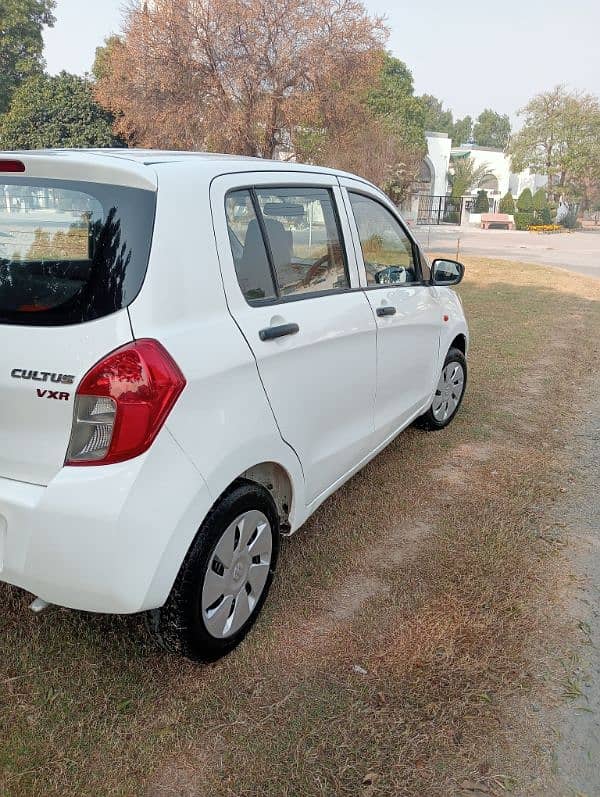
577, 251
425, 637
576, 525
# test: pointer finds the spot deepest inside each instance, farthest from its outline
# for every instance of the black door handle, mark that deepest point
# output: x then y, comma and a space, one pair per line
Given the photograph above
387, 310
269, 333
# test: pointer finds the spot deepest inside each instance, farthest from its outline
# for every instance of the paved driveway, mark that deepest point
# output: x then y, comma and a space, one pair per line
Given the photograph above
578, 251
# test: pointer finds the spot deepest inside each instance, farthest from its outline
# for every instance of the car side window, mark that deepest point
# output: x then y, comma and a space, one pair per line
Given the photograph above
387, 250
248, 247
304, 239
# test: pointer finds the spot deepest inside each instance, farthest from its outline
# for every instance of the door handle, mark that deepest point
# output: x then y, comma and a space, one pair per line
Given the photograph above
270, 333
387, 310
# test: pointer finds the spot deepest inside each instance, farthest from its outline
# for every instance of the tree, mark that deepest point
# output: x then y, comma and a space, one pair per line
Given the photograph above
482, 203
541, 208
464, 176
104, 54
507, 204
57, 111
560, 138
396, 135
492, 129
436, 118
461, 130
525, 201
245, 76
524, 217
21, 44
393, 101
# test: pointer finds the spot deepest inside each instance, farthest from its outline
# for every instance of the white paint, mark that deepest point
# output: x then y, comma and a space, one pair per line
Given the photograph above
439, 146
319, 404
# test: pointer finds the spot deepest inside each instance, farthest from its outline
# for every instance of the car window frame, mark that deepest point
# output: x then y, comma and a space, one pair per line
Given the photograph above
416, 249
294, 297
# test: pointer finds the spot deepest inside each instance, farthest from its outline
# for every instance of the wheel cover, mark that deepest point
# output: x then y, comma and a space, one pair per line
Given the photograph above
449, 391
237, 573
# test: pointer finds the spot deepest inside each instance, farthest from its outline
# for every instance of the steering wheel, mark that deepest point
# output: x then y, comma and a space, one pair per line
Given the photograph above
313, 270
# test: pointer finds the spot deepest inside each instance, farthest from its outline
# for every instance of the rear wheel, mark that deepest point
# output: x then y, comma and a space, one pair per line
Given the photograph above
448, 394
224, 579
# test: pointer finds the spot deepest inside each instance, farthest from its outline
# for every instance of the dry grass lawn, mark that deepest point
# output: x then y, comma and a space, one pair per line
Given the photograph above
398, 639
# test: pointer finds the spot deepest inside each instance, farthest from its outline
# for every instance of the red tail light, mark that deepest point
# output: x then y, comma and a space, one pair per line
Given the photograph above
122, 403
12, 166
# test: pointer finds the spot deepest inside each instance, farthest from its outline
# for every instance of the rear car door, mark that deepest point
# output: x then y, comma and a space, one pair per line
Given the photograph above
73, 255
406, 308
292, 288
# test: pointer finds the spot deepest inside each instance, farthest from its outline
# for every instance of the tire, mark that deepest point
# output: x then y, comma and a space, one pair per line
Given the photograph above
436, 419
194, 620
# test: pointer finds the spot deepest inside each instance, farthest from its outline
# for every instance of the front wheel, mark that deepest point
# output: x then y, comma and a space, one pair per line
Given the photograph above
448, 394
224, 579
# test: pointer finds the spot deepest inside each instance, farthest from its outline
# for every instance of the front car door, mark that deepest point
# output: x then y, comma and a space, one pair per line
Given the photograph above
407, 309
291, 287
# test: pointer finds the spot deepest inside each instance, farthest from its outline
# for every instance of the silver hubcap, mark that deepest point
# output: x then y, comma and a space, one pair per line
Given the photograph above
237, 574
449, 391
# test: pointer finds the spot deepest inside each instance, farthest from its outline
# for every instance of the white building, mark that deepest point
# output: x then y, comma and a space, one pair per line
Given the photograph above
432, 185
496, 162
433, 177
526, 179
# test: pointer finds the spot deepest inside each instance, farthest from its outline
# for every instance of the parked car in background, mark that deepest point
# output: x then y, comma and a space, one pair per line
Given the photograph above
195, 352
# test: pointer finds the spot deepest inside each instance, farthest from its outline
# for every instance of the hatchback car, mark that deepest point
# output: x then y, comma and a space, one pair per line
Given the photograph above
195, 352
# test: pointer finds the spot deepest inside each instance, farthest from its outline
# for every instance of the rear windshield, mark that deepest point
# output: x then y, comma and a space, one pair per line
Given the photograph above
71, 251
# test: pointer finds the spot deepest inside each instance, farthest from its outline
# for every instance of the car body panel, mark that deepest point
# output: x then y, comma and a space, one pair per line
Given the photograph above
320, 381
112, 538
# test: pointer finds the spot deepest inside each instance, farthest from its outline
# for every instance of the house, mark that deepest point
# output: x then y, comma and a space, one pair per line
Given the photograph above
431, 188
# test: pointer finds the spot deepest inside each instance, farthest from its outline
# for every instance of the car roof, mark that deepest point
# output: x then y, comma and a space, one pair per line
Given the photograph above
139, 167
206, 161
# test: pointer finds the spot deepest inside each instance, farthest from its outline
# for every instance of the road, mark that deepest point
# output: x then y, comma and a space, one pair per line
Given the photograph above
577, 251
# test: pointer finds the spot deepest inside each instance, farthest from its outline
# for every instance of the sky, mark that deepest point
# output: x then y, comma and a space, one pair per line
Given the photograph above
472, 55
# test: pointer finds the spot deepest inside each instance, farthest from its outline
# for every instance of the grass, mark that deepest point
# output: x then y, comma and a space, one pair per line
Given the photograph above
426, 570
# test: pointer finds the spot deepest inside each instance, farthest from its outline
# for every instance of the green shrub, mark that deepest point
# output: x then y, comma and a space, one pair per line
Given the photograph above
482, 203
541, 208
525, 201
539, 200
523, 220
507, 204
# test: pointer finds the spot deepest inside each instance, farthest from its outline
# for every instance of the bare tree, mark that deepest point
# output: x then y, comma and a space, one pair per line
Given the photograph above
244, 76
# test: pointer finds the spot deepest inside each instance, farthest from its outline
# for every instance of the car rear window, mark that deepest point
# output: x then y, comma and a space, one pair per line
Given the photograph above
71, 252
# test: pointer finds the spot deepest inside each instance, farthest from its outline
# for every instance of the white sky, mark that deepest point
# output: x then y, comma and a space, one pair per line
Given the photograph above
472, 54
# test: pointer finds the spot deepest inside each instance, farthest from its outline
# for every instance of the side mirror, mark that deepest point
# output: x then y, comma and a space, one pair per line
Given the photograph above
446, 272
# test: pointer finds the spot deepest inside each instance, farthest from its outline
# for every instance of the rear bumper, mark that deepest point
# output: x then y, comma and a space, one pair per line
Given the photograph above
104, 539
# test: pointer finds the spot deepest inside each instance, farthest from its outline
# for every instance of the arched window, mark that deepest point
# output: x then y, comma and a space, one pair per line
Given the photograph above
425, 177
489, 183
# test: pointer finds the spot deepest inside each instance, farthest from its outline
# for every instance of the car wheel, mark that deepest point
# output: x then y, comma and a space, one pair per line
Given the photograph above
225, 578
448, 394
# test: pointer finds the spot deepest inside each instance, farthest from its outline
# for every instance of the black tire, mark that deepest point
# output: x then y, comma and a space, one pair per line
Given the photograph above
178, 626
428, 421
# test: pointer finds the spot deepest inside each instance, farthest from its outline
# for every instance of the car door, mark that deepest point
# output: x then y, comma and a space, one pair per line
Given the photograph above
407, 310
293, 290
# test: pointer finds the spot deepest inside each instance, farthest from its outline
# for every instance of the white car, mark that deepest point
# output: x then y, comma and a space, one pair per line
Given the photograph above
195, 352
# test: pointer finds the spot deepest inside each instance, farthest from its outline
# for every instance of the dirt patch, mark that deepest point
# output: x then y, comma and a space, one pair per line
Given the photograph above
571, 715
435, 593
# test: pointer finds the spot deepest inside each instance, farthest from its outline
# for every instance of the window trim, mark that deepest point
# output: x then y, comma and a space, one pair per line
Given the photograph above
294, 297
416, 249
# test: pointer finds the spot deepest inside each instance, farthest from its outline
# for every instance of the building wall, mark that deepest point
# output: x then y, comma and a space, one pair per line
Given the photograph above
526, 179
497, 162
438, 156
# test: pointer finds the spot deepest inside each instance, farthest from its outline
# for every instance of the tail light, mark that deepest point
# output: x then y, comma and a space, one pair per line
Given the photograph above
122, 403
12, 166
